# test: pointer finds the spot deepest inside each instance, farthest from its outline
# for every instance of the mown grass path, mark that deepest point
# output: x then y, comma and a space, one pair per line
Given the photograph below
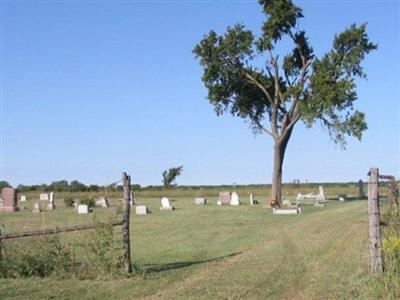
241, 252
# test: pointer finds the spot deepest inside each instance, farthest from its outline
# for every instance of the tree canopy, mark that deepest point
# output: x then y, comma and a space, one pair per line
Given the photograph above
170, 175
298, 86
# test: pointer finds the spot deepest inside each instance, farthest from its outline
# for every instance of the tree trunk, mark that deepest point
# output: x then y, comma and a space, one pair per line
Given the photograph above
279, 155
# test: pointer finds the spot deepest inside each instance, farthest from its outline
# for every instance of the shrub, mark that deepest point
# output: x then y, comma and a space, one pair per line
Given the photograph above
105, 251
88, 201
69, 201
39, 257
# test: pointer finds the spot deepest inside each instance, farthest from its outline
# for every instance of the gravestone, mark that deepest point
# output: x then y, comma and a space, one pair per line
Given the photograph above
321, 195
286, 203
235, 199
51, 205
286, 211
165, 205
200, 201
361, 194
83, 209
317, 204
141, 210
252, 199
36, 208
44, 197
9, 197
101, 202
224, 198
132, 199
309, 196
22, 198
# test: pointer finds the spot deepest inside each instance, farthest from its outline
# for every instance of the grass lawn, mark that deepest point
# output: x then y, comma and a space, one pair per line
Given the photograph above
211, 252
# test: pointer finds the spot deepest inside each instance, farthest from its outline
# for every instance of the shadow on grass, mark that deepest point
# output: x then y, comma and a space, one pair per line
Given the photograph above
155, 268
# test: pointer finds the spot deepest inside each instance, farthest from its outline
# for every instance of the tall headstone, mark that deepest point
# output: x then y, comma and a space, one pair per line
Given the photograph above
361, 194
9, 196
51, 205
22, 198
235, 199
132, 200
321, 195
224, 198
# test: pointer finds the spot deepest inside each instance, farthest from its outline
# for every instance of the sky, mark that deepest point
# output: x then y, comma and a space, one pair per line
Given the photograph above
93, 88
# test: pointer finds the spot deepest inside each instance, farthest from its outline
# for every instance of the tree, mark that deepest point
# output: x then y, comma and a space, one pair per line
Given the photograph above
4, 184
76, 186
281, 92
59, 186
170, 175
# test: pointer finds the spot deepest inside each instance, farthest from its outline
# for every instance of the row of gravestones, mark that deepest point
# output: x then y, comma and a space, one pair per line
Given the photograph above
9, 200
225, 198
9, 203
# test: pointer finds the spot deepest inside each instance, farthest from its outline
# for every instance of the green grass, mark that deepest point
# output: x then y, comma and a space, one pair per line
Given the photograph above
211, 252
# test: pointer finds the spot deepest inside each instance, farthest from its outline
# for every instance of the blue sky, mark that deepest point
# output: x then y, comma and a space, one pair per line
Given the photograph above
94, 88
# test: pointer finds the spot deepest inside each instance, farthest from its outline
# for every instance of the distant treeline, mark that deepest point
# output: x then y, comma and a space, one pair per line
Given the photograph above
76, 186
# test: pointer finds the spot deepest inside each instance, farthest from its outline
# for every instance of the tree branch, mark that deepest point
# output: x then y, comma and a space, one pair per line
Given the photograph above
263, 128
274, 119
261, 87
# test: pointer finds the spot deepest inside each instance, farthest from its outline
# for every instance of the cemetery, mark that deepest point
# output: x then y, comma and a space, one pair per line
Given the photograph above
207, 249
161, 92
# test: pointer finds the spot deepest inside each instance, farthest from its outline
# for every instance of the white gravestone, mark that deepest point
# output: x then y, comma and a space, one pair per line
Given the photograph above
101, 202
200, 201
141, 210
51, 205
252, 199
165, 205
287, 211
83, 209
22, 198
321, 195
235, 199
44, 197
132, 199
36, 208
286, 203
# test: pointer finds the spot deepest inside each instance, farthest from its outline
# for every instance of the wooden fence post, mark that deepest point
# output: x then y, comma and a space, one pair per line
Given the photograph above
1, 250
374, 221
126, 183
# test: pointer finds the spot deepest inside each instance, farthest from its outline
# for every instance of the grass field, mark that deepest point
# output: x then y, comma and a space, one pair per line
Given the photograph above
211, 252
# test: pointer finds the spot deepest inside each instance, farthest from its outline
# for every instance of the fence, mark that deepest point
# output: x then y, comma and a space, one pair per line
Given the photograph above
126, 180
374, 217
